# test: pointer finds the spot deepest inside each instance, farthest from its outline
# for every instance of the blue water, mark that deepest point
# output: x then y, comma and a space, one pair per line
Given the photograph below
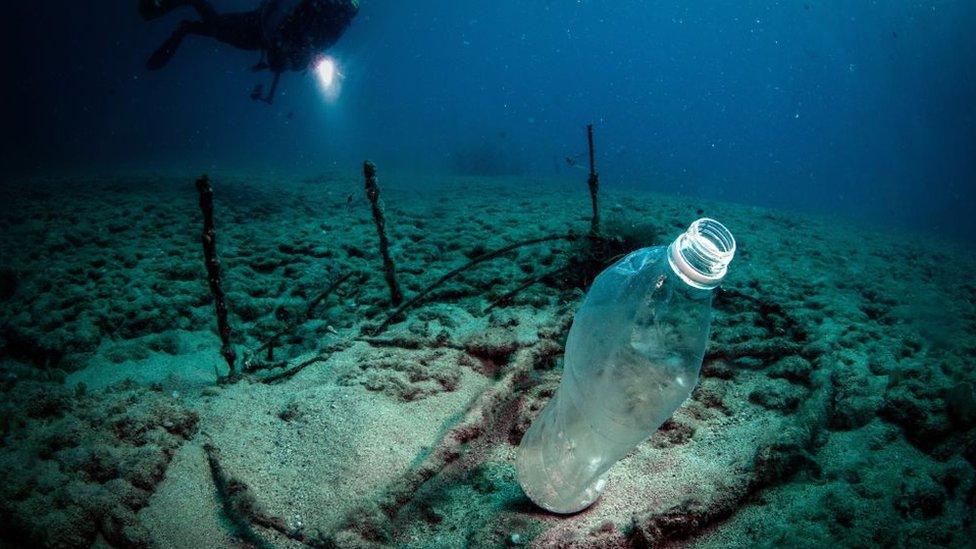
862, 109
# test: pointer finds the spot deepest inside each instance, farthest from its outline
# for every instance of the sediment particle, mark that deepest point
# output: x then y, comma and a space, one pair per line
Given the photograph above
961, 405
779, 395
922, 420
778, 462
8, 284
795, 369
851, 406
921, 495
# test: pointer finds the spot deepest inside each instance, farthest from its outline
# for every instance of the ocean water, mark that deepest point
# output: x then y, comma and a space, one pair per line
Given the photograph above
359, 373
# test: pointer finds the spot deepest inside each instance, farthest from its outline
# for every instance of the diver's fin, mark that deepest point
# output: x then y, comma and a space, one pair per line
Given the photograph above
166, 51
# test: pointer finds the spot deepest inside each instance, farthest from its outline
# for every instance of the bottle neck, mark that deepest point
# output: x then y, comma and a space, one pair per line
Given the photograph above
691, 292
701, 255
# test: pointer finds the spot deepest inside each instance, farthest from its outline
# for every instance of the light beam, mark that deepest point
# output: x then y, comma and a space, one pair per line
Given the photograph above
327, 75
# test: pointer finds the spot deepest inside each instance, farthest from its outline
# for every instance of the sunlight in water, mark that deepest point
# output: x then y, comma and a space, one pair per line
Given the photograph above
328, 76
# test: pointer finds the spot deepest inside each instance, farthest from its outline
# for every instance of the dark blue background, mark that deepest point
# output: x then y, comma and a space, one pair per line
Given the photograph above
859, 108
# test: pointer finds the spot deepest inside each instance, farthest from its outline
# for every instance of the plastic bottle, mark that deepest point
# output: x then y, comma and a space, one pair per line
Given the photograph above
632, 358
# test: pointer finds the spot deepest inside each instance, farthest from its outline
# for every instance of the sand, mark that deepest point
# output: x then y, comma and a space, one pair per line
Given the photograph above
835, 406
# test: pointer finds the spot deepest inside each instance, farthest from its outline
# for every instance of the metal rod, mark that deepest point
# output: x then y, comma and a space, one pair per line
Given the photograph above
594, 184
389, 269
209, 240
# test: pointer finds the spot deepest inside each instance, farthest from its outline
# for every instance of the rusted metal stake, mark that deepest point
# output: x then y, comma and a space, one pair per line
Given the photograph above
209, 239
389, 269
594, 183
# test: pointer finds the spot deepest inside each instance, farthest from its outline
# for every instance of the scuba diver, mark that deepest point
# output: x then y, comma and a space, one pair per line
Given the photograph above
290, 34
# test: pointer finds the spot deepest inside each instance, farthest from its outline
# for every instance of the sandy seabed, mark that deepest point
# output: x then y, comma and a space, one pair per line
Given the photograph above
835, 406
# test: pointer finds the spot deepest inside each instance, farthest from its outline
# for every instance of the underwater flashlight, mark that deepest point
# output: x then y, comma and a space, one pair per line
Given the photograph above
328, 76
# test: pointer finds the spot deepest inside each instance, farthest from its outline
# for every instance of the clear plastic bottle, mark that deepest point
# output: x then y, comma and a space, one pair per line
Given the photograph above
632, 358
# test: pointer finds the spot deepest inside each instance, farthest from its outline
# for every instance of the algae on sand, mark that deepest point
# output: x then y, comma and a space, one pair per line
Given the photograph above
827, 412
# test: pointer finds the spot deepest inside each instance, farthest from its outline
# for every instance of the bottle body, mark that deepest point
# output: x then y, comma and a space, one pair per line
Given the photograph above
632, 358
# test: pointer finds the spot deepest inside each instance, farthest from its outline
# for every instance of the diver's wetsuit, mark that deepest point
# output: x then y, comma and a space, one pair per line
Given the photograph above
239, 29
296, 31
288, 33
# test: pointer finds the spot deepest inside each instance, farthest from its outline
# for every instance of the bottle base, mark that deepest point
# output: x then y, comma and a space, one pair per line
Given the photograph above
544, 490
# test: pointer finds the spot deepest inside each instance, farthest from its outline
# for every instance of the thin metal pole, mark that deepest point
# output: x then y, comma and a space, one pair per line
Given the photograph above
209, 240
389, 270
594, 183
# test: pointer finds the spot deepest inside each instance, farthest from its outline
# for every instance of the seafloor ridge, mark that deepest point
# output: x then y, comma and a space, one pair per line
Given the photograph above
835, 405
